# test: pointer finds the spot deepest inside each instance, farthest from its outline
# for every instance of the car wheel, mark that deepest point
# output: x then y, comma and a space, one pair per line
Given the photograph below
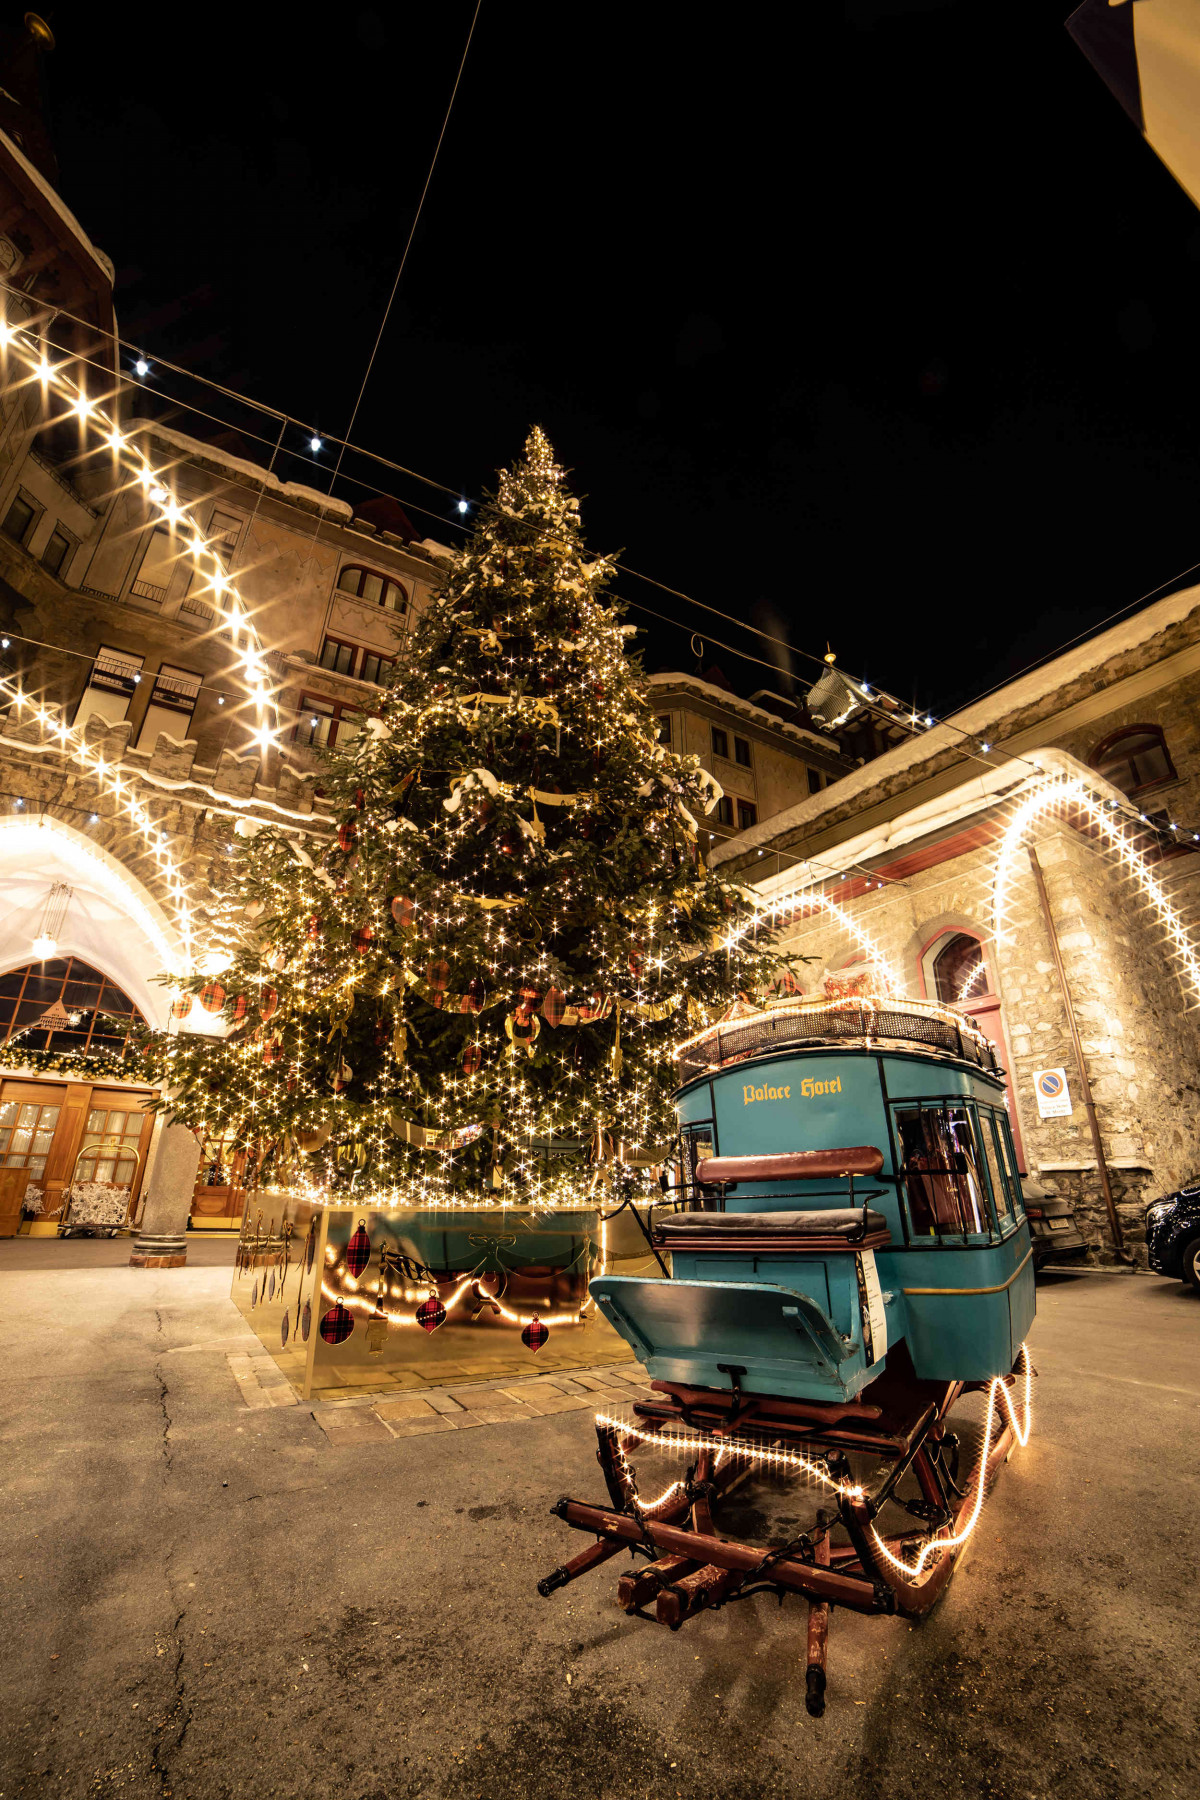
1191, 1263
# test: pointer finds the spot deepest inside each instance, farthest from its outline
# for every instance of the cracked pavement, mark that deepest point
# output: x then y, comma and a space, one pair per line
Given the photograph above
204, 1601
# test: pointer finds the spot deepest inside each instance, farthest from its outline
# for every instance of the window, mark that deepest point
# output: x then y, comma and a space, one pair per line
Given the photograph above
724, 810
747, 814
111, 684
664, 728
110, 1150
814, 781
154, 572
26, 1134
19, 519
940, 1169
58, 547
66, 1005
222, 537
957, 972
172, 704
1134, 759
374, 587
720, 742
325, 722
741, 751
354, 660
1000, 1196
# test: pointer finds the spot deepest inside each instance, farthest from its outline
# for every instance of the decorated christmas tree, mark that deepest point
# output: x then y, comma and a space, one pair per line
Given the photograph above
471, 989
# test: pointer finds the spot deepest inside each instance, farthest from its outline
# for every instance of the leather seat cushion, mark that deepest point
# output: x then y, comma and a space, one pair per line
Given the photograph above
840, 1221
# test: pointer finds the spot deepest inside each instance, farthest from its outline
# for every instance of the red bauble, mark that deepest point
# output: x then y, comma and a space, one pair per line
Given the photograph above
404, 912
359, 799
269, 1002
336, 1324
239, 1009
182, 1007
212, 997
271, 1053
347, 834
472, 1001
533, 1336
438, 974
362, 939
472, 1059
431, 1313
529, 996
554, 1006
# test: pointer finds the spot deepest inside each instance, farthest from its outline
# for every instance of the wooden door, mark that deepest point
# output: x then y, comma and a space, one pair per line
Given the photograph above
31, 1113
116, 1139
13, 1183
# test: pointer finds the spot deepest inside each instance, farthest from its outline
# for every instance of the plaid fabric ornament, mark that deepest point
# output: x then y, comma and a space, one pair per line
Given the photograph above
212, 997
181, 1007
362, 939
438, 974
306, 1320
347, 835
404, 912
535, 1334
239, 1009
554, 1006
358, 1250
474, 997
268, 1003
431, 1313
472, 1059
337, 1324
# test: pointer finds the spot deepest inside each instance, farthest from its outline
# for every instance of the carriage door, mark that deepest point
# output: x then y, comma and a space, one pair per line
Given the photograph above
957, 970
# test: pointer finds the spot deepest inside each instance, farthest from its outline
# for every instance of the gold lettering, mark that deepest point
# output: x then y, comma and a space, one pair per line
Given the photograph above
806, 1087
747, 1095
787, 1093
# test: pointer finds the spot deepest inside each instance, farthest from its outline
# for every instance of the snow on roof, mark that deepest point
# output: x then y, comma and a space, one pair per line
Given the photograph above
1094, 654
726, 697
237, 465
64, 212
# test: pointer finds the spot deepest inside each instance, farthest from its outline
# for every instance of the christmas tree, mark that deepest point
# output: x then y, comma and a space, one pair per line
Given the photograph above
474, 988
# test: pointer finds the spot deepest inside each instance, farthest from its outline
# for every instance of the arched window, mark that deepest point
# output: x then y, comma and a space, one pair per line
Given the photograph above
955, 970
376, 588
1134, 759
65, 1005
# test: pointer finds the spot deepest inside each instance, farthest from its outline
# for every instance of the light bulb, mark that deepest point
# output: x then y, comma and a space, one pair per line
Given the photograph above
44, 947
315, 444
141, 366
463, 506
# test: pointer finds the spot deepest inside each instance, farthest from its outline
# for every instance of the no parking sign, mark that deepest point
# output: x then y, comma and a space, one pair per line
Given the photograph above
1053, 1094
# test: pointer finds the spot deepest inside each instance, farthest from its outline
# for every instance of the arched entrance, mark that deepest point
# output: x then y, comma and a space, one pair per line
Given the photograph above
64, 1133
956, 967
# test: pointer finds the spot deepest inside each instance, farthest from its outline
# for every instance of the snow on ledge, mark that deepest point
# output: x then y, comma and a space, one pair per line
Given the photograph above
673, 678
237, 465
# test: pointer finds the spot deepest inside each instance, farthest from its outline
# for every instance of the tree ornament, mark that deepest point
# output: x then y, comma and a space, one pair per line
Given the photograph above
306, 1143
268, 1003
438, 975
343, 1078
359, 799
507, 845
474, 997
472, 1059
362, 939
271, 1285
284, 1328
535, 1334
254, 1293
522, 1031
404, 912
637, 964
337, 1324
597, 1007
358, 1250
431, 1313
271, 1052
528, 997
313, 928
306, 1321
554, 1006
347, 835
212, 997
239, 1009
181, 1007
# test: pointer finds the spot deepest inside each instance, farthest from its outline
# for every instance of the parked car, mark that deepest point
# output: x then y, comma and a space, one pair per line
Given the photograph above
1052, 1226
1173, 1235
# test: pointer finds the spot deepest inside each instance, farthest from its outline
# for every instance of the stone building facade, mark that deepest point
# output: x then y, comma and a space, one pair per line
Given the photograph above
911, 847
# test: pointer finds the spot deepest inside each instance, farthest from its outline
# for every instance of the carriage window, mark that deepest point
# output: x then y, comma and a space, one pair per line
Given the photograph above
942, 1178
696, 1143
991, 1151
1008, 1158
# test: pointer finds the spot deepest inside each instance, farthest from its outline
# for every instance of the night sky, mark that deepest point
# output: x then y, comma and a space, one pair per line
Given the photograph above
872, 322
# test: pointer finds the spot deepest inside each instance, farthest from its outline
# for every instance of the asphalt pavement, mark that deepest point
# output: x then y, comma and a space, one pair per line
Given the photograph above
205, 1601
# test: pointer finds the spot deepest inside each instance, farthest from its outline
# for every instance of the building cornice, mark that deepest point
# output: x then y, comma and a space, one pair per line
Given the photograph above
671, 682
